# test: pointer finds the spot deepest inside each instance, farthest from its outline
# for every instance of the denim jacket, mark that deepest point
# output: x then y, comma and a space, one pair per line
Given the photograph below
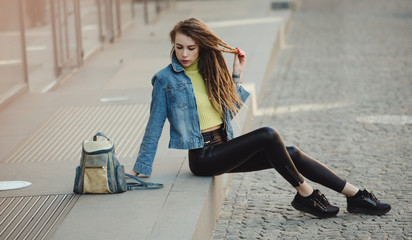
173, 98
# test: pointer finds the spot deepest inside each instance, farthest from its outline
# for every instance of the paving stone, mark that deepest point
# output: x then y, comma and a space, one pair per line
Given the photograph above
343, 62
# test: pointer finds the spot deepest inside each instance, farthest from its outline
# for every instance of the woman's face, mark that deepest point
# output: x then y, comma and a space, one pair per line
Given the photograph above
187, 50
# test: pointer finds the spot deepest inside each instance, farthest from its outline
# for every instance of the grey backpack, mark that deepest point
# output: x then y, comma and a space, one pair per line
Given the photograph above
100, 171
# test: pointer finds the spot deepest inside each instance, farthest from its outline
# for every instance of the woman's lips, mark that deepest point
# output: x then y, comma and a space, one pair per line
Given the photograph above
185, 61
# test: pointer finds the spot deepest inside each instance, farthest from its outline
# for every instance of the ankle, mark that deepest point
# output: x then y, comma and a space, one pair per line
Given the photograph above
355, 195
304, 189
349, 190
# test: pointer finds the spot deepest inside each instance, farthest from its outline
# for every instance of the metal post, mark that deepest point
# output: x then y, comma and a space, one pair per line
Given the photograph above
157, 7
146, 14
100, 20
60, 32
66, 31
23, 43
118, 17
109, 20
57, 69
79, 42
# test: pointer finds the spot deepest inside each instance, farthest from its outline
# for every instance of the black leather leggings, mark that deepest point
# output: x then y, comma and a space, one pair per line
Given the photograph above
258, 150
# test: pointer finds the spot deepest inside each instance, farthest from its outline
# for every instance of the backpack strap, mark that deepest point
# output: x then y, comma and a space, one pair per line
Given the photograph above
140, 184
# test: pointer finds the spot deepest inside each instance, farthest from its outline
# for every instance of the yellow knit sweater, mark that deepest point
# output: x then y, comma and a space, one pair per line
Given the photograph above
208, 117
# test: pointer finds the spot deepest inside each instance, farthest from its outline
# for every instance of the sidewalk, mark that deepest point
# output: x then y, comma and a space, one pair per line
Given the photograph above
41, 135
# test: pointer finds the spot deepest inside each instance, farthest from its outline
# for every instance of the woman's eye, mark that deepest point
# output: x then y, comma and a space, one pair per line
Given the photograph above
191, 49
179, 47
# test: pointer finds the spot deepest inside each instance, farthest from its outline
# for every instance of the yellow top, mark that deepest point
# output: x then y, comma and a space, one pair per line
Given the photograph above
208, 117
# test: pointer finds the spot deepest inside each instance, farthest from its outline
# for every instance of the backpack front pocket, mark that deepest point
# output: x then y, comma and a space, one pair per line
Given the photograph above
95, 180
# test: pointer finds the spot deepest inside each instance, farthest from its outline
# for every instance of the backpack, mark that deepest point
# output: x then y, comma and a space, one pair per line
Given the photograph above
100, 171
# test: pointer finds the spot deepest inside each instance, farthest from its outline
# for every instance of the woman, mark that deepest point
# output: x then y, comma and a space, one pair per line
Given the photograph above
199, 97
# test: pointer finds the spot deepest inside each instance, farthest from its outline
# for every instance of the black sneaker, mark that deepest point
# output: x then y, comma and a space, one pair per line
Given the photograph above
316, 204
366, 203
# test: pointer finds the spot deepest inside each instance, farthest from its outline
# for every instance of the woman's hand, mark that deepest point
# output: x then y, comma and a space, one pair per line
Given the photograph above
239, 62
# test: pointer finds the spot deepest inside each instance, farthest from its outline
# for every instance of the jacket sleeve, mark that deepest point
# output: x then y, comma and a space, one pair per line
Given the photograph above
154, 127
243, 94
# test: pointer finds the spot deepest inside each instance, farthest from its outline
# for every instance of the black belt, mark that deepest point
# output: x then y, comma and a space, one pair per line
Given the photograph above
214, 137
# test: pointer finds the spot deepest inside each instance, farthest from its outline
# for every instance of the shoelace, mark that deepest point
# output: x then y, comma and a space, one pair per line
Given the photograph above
370, 195
321, 200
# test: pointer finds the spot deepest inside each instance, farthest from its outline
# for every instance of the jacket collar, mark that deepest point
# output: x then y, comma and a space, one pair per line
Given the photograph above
177, 67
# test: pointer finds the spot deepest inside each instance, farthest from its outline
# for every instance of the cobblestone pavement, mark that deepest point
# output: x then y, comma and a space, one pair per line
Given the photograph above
341, 90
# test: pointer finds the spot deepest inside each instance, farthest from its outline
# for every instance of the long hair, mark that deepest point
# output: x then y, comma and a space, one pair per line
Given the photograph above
212, 65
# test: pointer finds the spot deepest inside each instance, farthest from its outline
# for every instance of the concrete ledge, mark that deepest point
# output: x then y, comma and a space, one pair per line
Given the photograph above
192, 207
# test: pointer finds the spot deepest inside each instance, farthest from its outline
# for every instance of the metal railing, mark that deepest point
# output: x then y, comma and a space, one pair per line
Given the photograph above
42, 41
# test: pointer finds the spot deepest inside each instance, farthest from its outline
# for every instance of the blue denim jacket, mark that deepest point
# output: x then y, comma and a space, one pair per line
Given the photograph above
173, 98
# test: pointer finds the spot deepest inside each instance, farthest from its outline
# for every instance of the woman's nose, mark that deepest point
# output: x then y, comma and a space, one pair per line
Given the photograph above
184, 53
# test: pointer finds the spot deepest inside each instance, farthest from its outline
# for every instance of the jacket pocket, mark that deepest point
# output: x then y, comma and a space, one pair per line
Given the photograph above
177, 96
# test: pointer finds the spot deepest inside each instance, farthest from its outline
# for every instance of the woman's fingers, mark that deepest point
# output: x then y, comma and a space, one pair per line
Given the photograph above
240, 52
239, 61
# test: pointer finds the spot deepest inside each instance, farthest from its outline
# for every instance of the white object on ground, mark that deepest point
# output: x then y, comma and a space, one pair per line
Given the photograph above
10, 185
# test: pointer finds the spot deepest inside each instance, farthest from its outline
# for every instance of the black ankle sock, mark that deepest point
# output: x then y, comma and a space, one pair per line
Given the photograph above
357, 194
311, 195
